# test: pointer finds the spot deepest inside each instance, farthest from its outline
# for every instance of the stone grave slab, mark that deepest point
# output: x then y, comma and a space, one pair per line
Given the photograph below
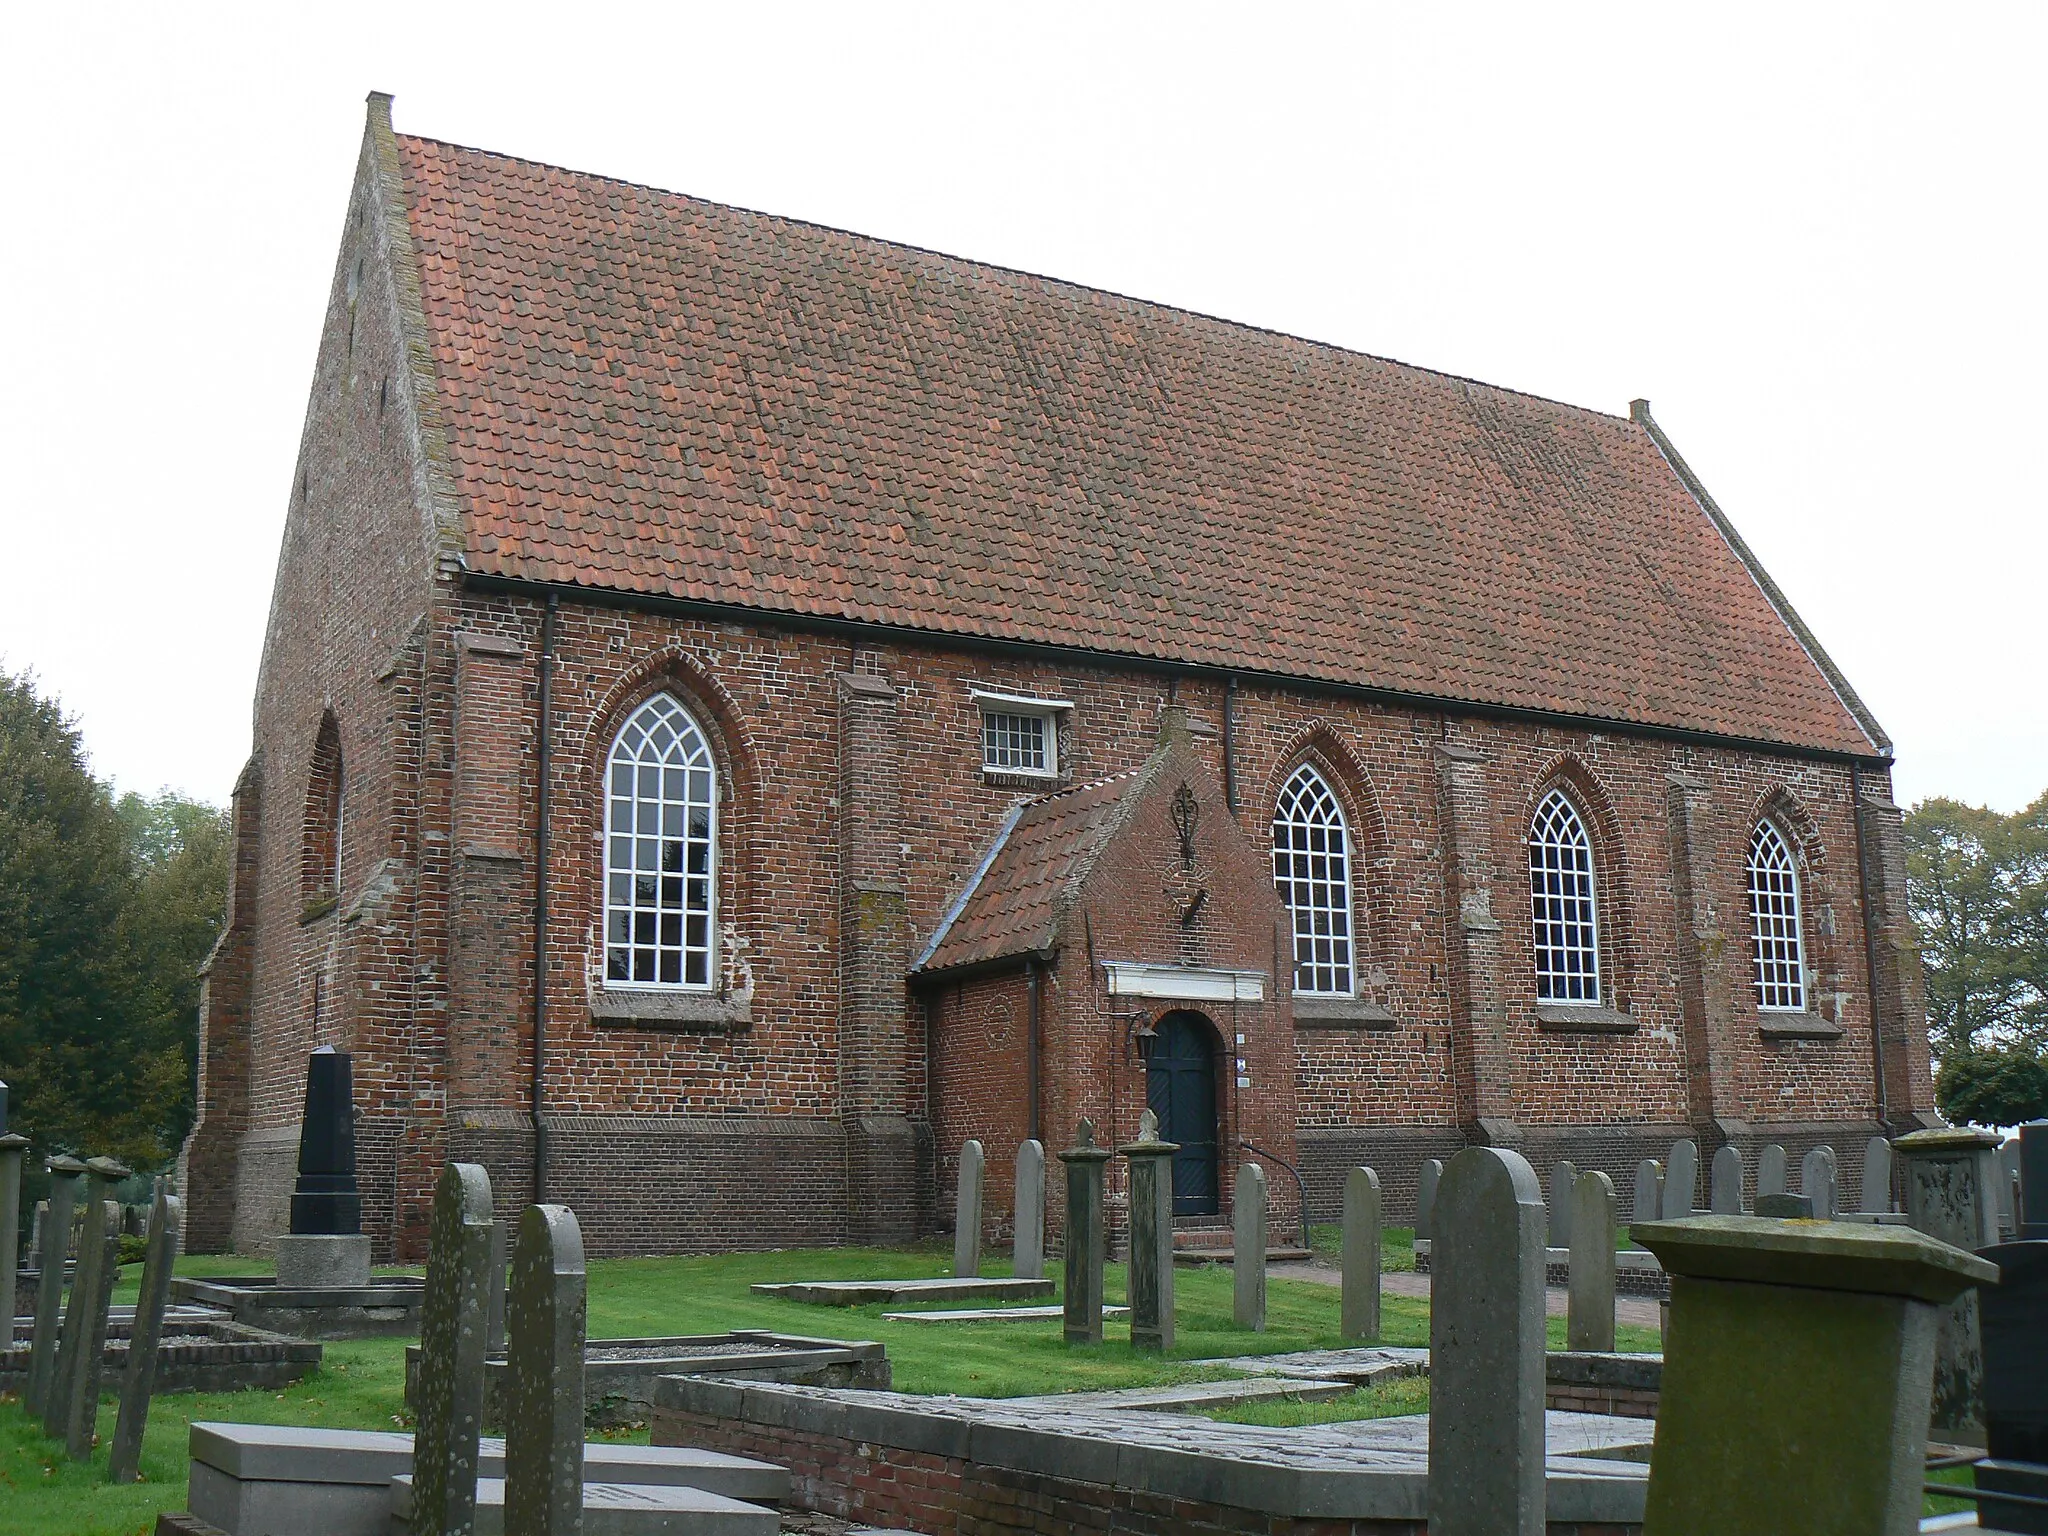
200, 1351
617, 1509
387, 1308
251, 1479
995, 1315
859, 1293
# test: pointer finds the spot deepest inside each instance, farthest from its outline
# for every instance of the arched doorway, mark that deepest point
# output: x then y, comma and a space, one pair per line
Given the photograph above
1180, 1088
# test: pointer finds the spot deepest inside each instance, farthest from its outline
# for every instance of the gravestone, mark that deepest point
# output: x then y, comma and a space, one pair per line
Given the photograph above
1681, 1180
1770, 1171
967, 1213
2010, 1218
1817, 1181
1825, 1326
1027, 1256
2015, 1328
68, 1376
1877, 1177
1649, 1193
1724, 1197
2033, 1175
35, 1236
67, 1174
544, 1358
1486, 1325
11, 1149
326, 1248
494, 1287
451, 1377
1248, 1248
95, 1288
1564, 1179
1359, 1312
138, 1382
1083, 1301
1950, 1179
1589, 1323
1425, 1197
1151, 1275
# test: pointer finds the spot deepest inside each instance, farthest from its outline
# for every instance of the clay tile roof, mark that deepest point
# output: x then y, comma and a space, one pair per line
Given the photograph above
657, 395
1015, 903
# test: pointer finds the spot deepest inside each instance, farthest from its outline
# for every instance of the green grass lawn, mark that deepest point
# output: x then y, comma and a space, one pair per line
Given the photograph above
361, 1385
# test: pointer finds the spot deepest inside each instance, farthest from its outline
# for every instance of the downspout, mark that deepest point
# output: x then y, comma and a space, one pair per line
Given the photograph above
1035, 972
540, 898
1230, 742
1884, 1113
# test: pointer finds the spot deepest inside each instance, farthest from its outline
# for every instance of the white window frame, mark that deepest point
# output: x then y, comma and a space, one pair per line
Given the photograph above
1768, 938
1342, 966
989, 703
1571, 915
700, 760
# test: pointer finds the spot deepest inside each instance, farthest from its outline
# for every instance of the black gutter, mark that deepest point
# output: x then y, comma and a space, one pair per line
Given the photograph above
1078, 655
540, 897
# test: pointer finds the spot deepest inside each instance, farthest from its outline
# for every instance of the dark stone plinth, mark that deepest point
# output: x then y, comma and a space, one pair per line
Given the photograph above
2014, 1318
325, 1202
2034, 1181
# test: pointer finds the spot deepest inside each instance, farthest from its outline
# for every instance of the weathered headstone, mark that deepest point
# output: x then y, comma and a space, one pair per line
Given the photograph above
95, 1288
2015, 1324
35, 1236
1564, 1179
544, 1358
1589, 1323
2033, 1171
67, 1174
1950, 1195
1083, 1300
326, 1247
494, 1286
2010, 1218
1359, 1313
1681, 1180
1426, 1183
11, 1149
1649, 1193
1027, 1257
967, 1212
138, 1382
451, 1375
1817, 1180
94, 1240
1486, 1348
1828, 1327
1248, 1248
1877, 1177
1770, 1171
1151, 1274
1724, 1196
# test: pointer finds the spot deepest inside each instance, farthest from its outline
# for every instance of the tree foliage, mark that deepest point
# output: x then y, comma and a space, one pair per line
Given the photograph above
1995, 1088
106, 912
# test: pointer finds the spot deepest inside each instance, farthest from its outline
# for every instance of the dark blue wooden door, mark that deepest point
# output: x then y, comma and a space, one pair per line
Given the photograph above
1180, 1088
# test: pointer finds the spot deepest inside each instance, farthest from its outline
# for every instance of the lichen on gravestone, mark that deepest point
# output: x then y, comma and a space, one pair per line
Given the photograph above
453, 1321
546, 1321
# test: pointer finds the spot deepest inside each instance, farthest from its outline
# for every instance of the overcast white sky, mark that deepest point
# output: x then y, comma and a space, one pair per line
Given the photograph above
1811, 236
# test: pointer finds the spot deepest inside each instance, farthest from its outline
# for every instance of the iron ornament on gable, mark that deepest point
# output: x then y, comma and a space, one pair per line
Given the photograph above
1185, 816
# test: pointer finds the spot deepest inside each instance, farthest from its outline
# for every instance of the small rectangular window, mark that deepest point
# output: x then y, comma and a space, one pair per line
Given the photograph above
1017, 743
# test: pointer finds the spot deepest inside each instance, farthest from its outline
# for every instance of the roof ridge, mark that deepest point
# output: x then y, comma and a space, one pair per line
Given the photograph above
1041, 277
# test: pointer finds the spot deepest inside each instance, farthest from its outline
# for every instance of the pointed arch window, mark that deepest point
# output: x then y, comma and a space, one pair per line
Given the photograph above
1312, 871
1562, 904
321, 833
661, 806
1776, 945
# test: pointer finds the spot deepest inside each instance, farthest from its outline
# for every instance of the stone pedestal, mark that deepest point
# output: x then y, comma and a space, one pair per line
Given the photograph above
1952, 1194
315, 1262
1151, 1278
1083, 1300
1796, 1374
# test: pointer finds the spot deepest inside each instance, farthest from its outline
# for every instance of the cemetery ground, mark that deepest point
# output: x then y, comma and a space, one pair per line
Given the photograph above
361, 1383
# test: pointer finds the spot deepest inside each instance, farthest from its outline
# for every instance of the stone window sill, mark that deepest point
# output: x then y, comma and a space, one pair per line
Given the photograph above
1797, 1026
1343, 1013
698, 1013
318, 908
1577, 1019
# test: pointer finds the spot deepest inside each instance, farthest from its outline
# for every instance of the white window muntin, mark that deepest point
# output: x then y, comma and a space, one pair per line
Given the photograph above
1020, 734
661, 840
1777, 945
1312, 872
1563, 910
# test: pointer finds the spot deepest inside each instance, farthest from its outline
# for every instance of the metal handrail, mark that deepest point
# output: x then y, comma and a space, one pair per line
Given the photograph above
1300, 1189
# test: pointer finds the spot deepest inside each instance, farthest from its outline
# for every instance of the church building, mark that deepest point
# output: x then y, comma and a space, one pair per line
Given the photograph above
747, 707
